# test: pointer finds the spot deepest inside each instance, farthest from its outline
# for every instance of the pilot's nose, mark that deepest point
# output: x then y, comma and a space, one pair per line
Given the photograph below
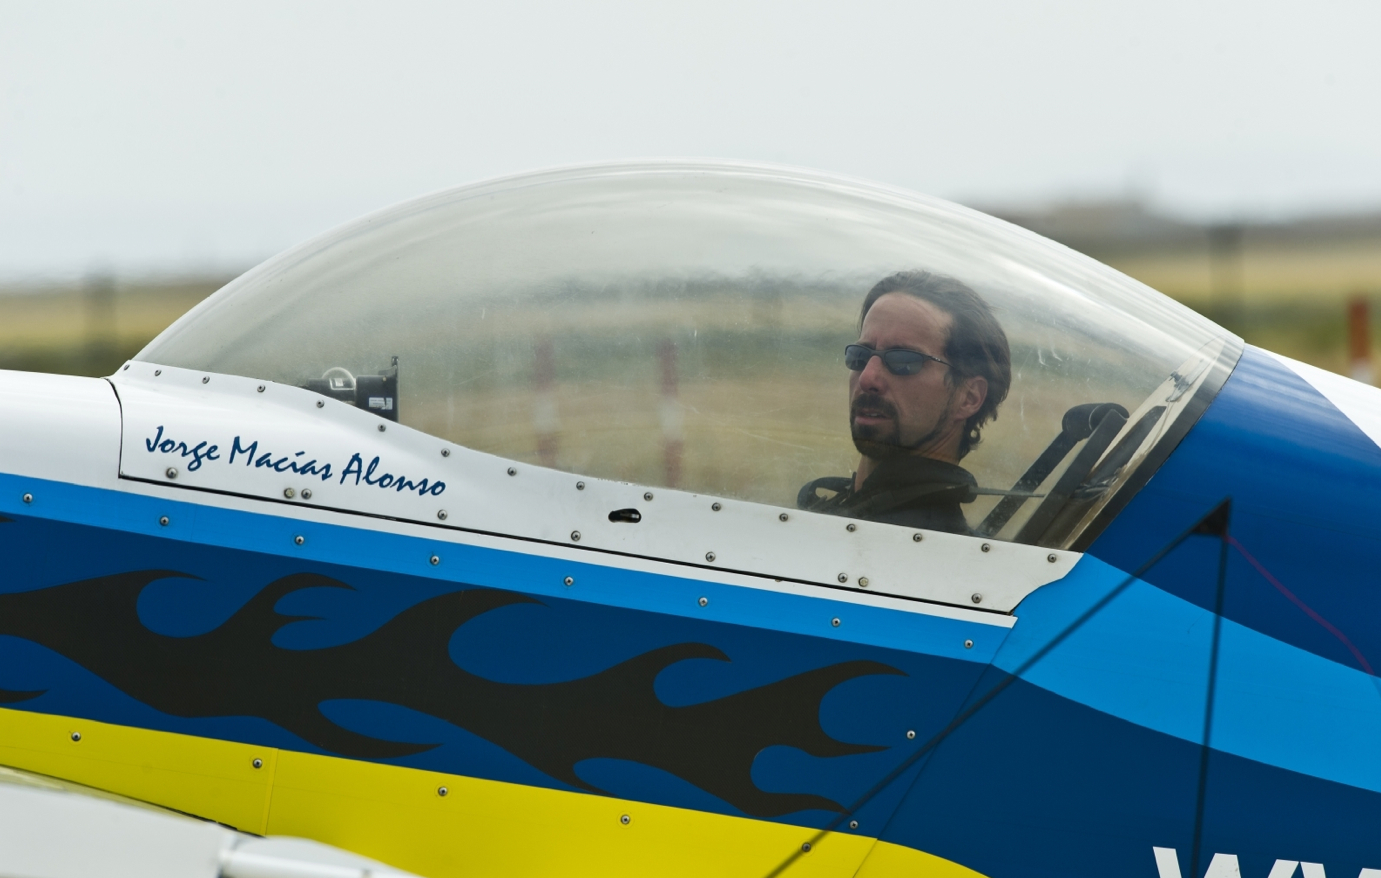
873, 376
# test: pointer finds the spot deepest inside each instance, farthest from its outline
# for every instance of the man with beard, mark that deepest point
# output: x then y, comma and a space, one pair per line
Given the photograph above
930, 368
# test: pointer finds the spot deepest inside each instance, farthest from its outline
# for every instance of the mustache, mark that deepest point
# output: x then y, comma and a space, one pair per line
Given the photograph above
871, 401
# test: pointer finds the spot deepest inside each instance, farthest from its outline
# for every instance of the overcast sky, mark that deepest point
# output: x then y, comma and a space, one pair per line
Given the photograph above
164, 137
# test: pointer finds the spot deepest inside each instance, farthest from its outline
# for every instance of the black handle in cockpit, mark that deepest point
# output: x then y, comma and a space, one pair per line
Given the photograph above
1078, 424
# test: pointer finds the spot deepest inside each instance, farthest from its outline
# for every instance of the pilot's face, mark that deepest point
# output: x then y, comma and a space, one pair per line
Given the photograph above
891, 415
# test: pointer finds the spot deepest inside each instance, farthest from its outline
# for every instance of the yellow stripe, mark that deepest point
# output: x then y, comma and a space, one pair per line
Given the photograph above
484, 827
202, 776
396, 815
887, 860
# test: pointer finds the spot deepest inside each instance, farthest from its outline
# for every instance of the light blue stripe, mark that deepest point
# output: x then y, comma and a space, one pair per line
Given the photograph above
534, 573
1144, 658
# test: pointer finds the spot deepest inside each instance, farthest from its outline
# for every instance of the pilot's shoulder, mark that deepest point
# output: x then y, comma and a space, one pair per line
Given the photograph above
818, 492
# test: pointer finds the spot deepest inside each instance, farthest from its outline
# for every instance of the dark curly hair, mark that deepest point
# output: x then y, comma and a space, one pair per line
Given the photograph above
976, 344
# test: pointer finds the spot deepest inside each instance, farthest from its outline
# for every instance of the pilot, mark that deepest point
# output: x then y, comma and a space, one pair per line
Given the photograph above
929, 369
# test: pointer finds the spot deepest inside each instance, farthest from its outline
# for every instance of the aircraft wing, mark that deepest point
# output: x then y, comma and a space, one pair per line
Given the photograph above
54, 829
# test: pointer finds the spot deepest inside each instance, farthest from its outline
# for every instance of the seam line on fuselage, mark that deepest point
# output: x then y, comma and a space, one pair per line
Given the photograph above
541, 542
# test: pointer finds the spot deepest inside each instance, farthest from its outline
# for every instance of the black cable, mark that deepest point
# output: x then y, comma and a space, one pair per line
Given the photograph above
1214, 523
1202, 793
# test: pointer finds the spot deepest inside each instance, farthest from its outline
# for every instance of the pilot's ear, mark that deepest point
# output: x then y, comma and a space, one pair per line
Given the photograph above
971, 396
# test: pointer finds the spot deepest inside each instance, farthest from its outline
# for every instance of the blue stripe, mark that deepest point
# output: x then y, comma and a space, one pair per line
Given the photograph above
1306, 488
809, 613
1038, 786
1144, 658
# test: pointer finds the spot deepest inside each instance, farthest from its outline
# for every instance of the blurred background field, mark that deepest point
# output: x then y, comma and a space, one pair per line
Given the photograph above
1284, 286
90, 327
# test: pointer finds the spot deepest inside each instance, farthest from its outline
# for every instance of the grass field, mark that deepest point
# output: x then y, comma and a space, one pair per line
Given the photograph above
90, 328
1286, 296
1289, 296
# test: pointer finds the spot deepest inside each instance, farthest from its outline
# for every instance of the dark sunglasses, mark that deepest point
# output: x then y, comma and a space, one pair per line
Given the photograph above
899, 361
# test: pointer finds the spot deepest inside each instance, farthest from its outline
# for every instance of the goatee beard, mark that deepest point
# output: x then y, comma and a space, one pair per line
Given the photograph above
875, 447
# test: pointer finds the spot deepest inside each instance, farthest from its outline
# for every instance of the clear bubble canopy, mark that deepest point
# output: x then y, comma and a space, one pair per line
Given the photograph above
684, 325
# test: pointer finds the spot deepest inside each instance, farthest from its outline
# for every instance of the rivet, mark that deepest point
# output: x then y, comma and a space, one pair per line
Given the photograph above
910, 735
709, 556
441, 514
445, 452
968, 644
805, 848
625, 820
863, 582
977, 598
260, 388
704, 602
321, 403
850, 527
442, 791
835, 621
647, 495
843, 577
382, 428
289, 493
575, 536
916, 538
299, 539
512, 470
170, 472
126, 367
306, 493
435, 559
569, 580
163, 520
987, 547
257, 763
157, 372
1051, 558
580, 486
205, 378
28, 498
715, 507
76, 736
853, 824
782, 517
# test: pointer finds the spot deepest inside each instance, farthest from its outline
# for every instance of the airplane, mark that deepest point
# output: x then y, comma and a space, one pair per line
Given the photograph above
480, 536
